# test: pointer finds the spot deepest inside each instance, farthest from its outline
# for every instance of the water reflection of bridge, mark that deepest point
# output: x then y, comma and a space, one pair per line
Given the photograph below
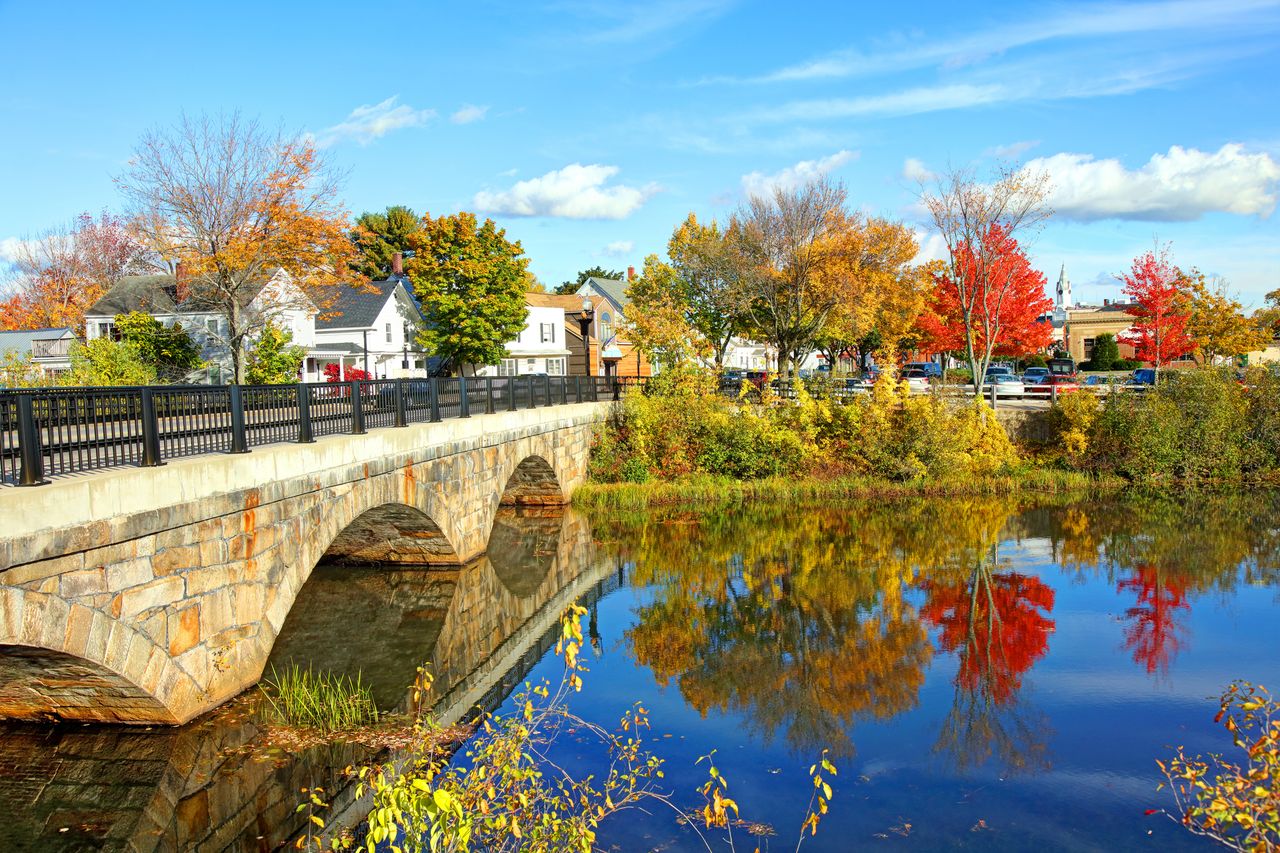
479, 628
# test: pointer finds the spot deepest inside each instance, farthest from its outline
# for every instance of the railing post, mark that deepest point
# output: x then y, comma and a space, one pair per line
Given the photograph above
617, 389
511, 393
577, 389
464, 405
239, 439
305, 435
151, 430
402, 411
992, 389
488, 395
435, 399
546, 394
1053, 395
357, 411
529, 382
32, 455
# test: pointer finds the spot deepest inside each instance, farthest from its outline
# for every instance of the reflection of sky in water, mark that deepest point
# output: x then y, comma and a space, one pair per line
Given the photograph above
1086, 719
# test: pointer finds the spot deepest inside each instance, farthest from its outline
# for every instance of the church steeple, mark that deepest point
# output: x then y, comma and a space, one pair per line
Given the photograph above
1064, 289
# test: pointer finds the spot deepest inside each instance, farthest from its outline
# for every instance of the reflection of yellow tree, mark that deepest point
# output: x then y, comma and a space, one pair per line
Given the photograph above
797, 618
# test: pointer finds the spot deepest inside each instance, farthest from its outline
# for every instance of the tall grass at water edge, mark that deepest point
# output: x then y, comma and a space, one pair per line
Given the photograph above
710, 491
317, 700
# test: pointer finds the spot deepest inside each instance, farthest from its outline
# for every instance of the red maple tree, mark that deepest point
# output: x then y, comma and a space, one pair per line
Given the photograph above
1155, 632
995, 621
987, 303
1159, 331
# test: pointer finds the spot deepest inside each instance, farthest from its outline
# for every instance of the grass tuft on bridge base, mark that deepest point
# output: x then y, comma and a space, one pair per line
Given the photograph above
317, 700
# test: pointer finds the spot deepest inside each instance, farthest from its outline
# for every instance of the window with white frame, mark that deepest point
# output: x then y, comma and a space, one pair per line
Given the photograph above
548, 332
606, 326
555, 367
388, 333
508, 367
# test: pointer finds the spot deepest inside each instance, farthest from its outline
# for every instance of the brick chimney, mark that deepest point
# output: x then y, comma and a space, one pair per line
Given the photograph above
397, 264
180, 283
631, 273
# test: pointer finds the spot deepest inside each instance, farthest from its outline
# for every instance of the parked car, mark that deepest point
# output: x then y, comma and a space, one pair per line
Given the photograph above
758, 378
917, 380
930, 368
1143, 376
1063, 367
1007, 385
1035, 375
999, 370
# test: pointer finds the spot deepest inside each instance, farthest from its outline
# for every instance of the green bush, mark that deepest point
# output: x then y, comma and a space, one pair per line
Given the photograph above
1035, 360
1106, 352
1125, 364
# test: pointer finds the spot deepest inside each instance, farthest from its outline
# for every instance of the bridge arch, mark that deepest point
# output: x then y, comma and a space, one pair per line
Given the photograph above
65, 660
532, 482
394, 533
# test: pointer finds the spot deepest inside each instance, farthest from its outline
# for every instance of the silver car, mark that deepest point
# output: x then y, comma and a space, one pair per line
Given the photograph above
1007, 385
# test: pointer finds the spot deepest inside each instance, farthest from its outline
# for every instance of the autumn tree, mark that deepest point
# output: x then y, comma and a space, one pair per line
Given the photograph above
378, 236
710, 281
235, 204
60, 274
470, 281
1268, 316
568, 287
1160, 310
881, 291
167, 349
983, 282
987, 301
274, 359
785, 240
658, 318
1216, 323
103, 361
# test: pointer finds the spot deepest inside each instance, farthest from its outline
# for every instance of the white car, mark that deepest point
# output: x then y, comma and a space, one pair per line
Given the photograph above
917, 381
1006, 385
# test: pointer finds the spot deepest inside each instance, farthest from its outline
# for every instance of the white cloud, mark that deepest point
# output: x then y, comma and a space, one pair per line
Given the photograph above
1093, 21
468, 113
760, 184
619, 248
909, 102
915, 171
636, 22
1179, 186
9, 248
932, 246
1011, 151
574, 192
369, 122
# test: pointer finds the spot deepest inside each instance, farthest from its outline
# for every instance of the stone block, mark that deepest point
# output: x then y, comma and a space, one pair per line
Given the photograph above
184, 629
76, 636
179, 558
83, 582
129, 573
162, 592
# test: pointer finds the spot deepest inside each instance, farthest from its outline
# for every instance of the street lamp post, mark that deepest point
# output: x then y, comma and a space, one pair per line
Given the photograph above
584, 325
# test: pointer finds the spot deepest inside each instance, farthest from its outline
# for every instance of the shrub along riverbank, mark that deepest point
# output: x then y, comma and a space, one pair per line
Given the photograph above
680, 442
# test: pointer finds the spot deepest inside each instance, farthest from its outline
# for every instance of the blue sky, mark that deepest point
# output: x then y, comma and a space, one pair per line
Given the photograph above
588, 129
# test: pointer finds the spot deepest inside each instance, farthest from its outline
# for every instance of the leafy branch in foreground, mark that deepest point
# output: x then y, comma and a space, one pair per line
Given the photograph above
508, 793
1236, 805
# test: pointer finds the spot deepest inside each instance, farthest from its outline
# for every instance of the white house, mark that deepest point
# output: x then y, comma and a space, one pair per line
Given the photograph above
373, 329
541, 348
49, 350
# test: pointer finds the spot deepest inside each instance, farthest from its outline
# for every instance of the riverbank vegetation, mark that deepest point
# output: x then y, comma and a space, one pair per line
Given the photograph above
681, 441
324, 701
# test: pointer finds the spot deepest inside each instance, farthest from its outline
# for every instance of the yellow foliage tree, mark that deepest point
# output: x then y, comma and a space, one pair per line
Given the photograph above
1217, 323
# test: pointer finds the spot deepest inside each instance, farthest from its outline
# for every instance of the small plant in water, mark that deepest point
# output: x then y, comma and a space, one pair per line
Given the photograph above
1234, 804
317, 700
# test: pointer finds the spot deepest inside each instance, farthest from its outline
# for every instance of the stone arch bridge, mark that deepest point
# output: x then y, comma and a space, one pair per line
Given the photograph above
151, 595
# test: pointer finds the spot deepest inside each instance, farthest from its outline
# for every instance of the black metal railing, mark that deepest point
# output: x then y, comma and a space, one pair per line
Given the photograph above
47, 432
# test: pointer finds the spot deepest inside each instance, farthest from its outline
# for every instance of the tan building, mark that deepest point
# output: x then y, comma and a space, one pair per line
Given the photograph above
1085, 324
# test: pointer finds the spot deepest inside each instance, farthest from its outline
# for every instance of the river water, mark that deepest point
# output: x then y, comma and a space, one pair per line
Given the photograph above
986, 673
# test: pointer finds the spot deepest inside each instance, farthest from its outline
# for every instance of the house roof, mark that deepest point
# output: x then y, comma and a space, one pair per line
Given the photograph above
614, 289
359, 308
20, 340
159, 294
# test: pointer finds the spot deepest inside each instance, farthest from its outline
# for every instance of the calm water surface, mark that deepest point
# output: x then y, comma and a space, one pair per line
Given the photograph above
987, 673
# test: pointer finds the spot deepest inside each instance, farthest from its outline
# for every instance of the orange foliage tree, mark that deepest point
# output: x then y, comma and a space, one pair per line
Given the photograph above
234, 204
987, 302
1161, 310
62, 273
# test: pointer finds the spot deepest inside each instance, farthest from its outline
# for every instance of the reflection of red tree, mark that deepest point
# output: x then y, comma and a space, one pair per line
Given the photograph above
995, 622
1154, 632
